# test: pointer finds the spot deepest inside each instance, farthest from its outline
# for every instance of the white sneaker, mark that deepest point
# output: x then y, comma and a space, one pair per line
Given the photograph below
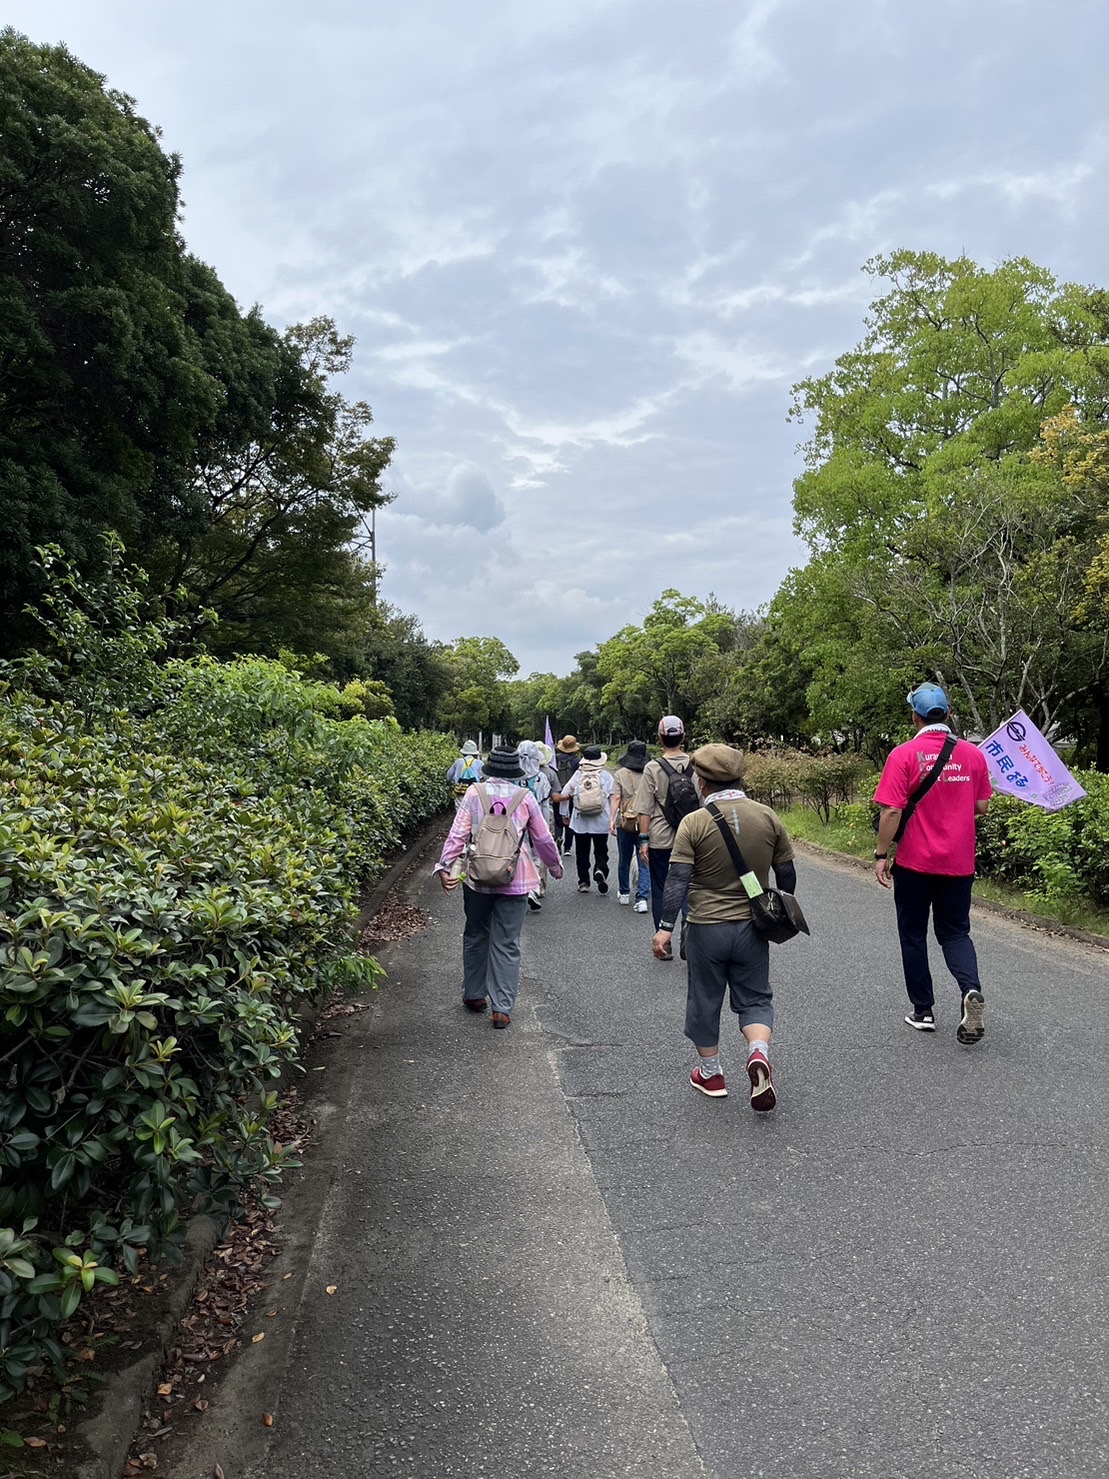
641, 906
623, 898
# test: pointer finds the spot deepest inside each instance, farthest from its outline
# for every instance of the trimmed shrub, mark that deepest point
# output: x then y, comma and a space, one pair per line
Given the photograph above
781, 778
174, 883
1057, 855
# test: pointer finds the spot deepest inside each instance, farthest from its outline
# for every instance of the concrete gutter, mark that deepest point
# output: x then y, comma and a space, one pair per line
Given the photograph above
110, 1431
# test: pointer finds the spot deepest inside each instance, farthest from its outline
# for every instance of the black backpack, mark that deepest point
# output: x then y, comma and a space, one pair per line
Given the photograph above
682, 795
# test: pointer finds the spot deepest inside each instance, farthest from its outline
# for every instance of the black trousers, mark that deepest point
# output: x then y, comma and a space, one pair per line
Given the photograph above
948, 900
597, 842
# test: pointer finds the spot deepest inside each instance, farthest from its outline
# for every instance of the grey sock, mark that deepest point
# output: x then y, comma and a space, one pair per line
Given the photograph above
709, 1066
758, 1047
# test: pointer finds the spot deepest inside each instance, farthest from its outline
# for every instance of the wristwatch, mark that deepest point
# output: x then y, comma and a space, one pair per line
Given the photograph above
878, 856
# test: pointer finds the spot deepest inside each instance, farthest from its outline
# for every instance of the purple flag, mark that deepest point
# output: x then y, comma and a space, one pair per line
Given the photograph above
1023, 764
548, 737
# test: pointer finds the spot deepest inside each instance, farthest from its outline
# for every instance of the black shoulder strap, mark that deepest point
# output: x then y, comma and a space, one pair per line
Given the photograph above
669, 769
926, 785
729, 838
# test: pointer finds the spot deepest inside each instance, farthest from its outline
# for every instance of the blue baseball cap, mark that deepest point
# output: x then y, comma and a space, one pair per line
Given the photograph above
927, 699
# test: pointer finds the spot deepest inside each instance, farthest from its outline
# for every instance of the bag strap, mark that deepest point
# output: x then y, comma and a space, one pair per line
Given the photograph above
946, 751
729, 838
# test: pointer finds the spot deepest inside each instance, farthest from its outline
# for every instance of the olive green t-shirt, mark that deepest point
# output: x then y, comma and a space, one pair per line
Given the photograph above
716, 895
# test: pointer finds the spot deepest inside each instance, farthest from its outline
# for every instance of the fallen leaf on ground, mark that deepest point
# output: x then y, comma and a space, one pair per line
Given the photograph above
35, 1442
331, 1289
217, 1472
267, 1419
201, 1404
254, 1339
165, 1389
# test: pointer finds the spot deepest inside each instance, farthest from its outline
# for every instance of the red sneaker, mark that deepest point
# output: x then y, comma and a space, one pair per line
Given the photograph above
763, 1096
713, 1086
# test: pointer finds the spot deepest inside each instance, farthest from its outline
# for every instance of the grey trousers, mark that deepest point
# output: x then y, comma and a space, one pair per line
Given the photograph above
491, 947
726, 958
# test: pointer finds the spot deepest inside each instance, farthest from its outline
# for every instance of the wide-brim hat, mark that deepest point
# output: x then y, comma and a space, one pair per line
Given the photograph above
469, 748
503, 764
719, 763
568, 745
546, 754
635, 756
594, 753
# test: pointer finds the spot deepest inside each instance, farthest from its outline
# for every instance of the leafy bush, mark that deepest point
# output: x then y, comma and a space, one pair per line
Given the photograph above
1057, 855
780, 778
178, 873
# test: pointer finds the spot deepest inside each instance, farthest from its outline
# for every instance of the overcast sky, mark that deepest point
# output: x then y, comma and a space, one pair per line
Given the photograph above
586, 247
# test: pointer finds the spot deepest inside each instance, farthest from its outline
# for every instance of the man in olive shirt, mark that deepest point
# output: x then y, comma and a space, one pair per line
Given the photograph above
725, 953
656, 835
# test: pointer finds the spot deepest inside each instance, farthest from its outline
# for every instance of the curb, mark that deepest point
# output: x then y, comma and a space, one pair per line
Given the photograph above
378, 892
110, 1433
1036, 922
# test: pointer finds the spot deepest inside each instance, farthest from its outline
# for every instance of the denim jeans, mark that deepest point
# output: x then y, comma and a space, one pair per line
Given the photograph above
626, 849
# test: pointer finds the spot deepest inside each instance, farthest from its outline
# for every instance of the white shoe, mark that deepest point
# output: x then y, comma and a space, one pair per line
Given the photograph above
623, 898
641, 906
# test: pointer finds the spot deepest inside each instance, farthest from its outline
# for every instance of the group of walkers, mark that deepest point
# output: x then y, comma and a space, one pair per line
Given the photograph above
704, 852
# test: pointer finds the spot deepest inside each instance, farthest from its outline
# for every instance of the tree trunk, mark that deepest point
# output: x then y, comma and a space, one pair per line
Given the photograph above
1101, 759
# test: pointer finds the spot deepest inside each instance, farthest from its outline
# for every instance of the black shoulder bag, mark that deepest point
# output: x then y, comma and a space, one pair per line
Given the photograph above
946, 750
775, 915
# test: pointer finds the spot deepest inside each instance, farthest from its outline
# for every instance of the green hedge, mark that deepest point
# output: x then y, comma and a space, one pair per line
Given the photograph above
173, 884
1056, 855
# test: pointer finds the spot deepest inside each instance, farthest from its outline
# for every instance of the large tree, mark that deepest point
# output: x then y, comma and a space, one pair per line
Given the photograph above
951, 546
102, 387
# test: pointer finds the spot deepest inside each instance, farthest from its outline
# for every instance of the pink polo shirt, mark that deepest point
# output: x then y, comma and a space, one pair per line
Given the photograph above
940, 836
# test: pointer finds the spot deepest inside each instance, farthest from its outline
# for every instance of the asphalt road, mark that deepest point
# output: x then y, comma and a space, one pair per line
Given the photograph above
552, 1257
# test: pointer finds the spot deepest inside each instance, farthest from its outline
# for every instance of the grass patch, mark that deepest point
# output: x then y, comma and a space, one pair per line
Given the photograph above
856, 838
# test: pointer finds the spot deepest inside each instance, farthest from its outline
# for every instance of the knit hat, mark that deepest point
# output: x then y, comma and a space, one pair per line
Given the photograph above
503, 764
469, 748
719, 764
670, 724
568, 745
635, 756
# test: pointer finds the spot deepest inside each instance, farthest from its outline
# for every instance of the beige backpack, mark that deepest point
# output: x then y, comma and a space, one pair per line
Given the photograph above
495, 846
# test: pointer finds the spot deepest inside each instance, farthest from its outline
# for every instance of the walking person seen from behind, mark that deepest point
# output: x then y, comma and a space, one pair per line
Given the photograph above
466, 769
666, 794
726, 955
495, 911
586, 803
566, 760
942, 784
624, 825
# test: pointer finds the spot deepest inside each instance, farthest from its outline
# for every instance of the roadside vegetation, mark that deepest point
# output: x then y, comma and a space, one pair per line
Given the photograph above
182, 846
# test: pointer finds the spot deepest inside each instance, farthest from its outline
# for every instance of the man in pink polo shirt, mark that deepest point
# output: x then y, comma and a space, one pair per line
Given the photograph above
934, 867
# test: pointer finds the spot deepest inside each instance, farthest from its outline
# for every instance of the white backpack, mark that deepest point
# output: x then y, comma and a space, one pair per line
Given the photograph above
589, 794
